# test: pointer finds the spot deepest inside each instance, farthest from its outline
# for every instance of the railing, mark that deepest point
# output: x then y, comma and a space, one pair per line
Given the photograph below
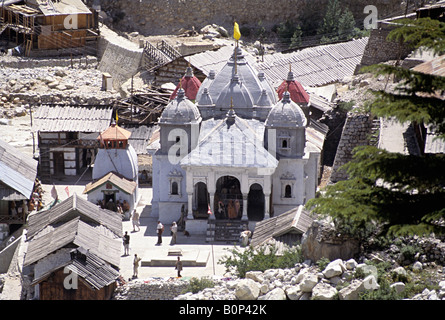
168, 50
162, 53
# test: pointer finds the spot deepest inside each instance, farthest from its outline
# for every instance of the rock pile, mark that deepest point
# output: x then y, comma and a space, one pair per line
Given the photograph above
339, 280
21, 88
150, 289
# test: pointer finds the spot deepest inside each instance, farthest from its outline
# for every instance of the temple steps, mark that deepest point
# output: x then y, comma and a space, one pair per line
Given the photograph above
227, 231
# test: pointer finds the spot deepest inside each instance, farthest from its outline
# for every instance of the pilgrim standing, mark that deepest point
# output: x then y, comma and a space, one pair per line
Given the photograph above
178, 267
174, 229
159, 230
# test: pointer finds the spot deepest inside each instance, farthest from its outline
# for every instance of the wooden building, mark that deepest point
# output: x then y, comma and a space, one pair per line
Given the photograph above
67, 137
285, 229
74, 239
51, 24
17, 177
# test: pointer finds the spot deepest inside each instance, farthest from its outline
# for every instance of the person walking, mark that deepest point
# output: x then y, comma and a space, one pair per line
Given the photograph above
159, 231
136, 265
126, 239
174, 229
135, 221
178, 267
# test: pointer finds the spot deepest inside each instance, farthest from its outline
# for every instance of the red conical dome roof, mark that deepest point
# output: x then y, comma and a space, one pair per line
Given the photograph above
295, 89
189, 83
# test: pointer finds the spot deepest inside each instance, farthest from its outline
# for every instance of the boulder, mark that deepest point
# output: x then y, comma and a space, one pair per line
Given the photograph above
366, 269
351, 264
255, 276
352, 291
275, 294
398, 286
247, 289
323, 291
53, 84
309, 282
293, 293
400, 271
301, 274
370, 283
417, 266
322, 241
334, 268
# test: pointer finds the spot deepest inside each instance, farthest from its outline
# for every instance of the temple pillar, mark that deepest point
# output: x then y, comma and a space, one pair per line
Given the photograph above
212, 207
244, 207
266, 206
190, 206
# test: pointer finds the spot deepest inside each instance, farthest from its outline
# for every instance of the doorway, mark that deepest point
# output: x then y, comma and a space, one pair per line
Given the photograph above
201, 200
255, 203
58, 163
228, 198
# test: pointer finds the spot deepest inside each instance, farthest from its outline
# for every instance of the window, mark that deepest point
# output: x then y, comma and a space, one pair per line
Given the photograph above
288, 191
174, 188
284, 144
178, 138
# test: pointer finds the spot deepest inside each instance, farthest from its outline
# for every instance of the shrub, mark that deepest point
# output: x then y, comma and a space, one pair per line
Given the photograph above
261, 259
408, 252
199, 284
322, 263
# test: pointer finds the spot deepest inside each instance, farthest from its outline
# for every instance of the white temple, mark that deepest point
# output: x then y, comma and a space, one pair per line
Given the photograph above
237, 150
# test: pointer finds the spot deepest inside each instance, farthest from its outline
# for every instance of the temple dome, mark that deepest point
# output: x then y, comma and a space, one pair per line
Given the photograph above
234, 92
286, 113
180, 110
295, 89
241, 65
189, 83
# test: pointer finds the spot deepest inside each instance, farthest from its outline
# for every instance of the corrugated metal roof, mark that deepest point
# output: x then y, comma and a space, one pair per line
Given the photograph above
75, 232
140, 137
296, 220
75, 206
433, 144
315, 66
435, 66
18, 171
72, 118
93, 270
50, 8
216, 59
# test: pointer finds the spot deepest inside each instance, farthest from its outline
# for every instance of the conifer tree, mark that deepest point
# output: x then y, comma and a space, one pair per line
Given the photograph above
401, 194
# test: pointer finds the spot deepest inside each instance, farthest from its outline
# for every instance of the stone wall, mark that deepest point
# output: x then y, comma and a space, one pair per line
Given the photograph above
150, 17
356, 132
379, 49
150, 289
119, 57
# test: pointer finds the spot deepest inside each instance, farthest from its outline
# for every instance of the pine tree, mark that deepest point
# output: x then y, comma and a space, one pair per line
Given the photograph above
337, 24
401, 194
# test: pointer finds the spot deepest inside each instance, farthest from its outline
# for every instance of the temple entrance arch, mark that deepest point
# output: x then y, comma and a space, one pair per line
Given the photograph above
255, 203
200, 201
228, 198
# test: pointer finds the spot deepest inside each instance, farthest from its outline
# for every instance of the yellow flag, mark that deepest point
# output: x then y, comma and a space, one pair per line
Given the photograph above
236, 32
116, 117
